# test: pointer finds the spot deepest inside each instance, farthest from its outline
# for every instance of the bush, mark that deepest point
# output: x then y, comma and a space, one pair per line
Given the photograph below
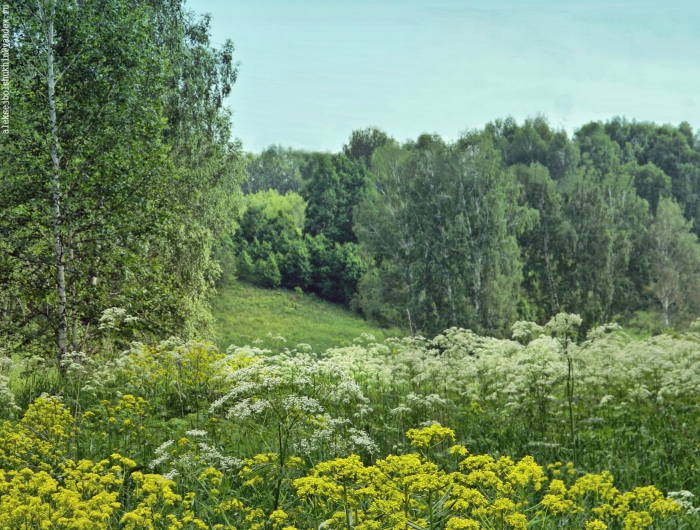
267, 274
245, 266
294, 265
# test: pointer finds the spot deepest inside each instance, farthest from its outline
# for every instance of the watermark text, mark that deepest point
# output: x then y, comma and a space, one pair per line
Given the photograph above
5, 72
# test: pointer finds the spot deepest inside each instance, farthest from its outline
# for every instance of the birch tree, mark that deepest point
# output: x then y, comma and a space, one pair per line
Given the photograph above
120, 171
674, 256
447, 216
86, 163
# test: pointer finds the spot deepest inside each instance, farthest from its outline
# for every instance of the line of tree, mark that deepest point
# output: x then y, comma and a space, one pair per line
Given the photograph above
514, 221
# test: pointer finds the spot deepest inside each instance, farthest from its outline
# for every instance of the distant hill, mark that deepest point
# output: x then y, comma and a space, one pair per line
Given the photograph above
245, 313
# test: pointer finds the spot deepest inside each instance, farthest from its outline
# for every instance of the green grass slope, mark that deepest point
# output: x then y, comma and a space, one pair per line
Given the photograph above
245, 313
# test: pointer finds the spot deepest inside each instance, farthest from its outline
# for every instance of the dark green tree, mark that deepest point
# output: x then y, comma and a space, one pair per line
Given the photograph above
335, 185
446, 216
674, 264
534, 142
605, 223
650, 183
674, 150
364, 142
542, 245
275, 168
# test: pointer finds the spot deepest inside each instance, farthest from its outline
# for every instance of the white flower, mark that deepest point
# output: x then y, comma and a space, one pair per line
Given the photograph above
683, 498
362, 440
171, 475
158, 461
164, 446
196, 432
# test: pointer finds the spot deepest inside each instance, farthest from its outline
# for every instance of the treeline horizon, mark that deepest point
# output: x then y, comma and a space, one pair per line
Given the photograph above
509, 222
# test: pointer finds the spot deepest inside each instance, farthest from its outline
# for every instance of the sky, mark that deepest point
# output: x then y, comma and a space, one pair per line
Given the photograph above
311, 71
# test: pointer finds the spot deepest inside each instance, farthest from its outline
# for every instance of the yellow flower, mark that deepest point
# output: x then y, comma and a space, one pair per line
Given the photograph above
596, 524
457, 523
637, 521
429, 436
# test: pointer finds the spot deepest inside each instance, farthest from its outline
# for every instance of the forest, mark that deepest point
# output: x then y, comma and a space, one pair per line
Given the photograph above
534, 296
511, 222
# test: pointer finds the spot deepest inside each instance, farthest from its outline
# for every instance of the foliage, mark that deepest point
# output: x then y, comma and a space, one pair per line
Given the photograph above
178, 377
674, 262
274, 251
120, 173
75, 238
335, 186
364, 142
516, 221
276, 168
446, 217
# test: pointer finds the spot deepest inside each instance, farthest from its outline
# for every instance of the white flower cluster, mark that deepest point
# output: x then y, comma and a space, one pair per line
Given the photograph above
205, 455
459, 366
196, 433
114, 317
683, 498
337, 438
161, 454
6, 365
288, 385
78, 364
212, 457
292, 392
8, 407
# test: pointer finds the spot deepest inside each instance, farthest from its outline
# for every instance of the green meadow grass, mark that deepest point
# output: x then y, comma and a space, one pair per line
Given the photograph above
245, 313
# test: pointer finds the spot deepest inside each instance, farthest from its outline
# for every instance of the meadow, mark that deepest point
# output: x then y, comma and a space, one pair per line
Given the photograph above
545, 430
246, 313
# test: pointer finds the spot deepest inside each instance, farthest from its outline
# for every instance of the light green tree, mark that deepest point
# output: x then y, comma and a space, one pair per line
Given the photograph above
119, 173
447, 216
674, 256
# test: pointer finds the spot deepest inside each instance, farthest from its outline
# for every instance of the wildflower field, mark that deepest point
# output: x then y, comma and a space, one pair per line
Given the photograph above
547, 430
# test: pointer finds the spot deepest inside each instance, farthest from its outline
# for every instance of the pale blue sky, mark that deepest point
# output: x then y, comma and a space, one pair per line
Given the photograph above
314, 70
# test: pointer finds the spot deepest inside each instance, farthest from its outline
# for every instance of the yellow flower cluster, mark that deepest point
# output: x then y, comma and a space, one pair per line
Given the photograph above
87, 499
410, 491
158, 506
85, 495
42, 488
594, 497
238, 515
429, 436
39, 440
126, 418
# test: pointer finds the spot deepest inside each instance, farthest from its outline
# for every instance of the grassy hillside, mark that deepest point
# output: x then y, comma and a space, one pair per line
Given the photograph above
245, 313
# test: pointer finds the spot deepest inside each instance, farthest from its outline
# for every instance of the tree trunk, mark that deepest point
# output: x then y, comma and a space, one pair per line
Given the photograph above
61, 331
553, 298
74, 299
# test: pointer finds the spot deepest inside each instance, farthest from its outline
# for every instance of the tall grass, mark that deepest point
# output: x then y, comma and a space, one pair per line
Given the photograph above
246, 313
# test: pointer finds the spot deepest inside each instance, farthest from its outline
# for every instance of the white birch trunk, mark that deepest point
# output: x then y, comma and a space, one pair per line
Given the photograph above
55, 183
